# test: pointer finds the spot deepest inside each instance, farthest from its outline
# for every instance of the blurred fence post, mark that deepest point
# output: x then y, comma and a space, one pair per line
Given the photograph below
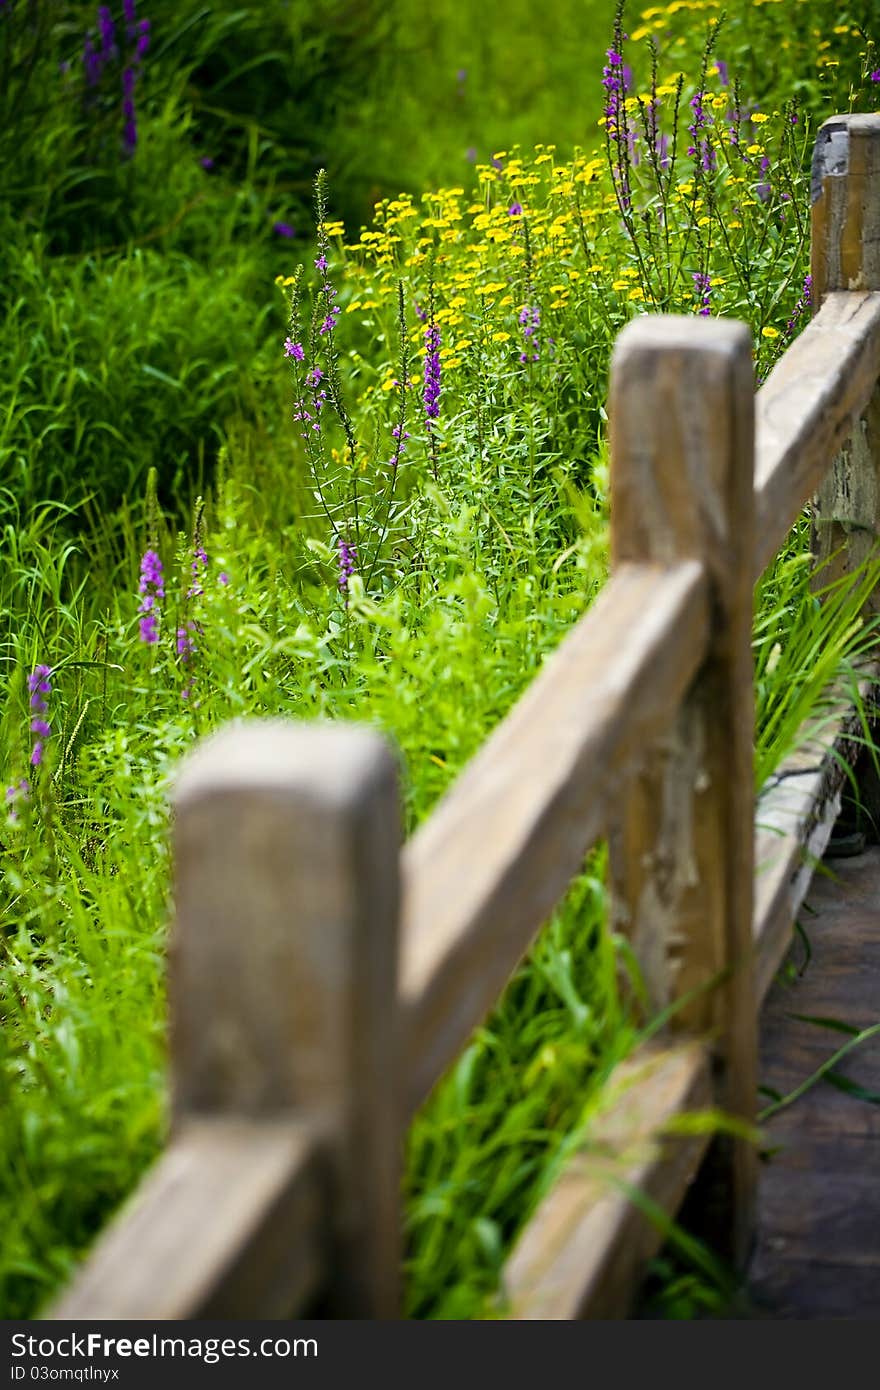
681, 852
283, 974
846, 256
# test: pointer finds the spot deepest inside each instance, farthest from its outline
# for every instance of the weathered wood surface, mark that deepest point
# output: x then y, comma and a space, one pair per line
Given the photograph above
793, 823
229, 1223
584, 1251
806, 410
846, 257
682, 473
283, 972
845, 214
818, 1238
486, 869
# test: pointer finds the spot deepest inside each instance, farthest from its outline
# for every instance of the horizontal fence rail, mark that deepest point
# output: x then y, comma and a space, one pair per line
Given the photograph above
323, 977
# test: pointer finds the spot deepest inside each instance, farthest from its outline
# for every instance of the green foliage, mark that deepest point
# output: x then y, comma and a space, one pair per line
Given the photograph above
415, 579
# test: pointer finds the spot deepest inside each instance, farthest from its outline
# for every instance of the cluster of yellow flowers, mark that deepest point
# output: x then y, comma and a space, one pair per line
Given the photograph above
540, 244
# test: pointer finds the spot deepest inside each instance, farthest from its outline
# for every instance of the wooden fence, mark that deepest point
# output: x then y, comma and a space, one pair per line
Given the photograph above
322, 978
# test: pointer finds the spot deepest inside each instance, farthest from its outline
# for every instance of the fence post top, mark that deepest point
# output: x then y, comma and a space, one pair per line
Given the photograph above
860, 122
831, 152
334, 759
683, 332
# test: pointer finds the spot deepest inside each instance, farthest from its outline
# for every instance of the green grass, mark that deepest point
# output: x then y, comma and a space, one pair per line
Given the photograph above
142, 330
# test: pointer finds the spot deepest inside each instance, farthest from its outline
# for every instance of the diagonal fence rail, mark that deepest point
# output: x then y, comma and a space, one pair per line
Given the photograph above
323, 977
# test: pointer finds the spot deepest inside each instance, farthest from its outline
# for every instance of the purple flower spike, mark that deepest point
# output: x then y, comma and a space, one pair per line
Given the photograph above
292, 349
347, 564
703, 289
39, 686
151, 588
431, 392
143, 40
92, 62
515, 210
283, 229
107, 31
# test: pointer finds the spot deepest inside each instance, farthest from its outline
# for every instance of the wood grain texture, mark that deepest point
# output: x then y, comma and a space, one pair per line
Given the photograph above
845, 231
283, 970
486, 869
682, 469
229, 1224
584, 1252
806, 410
846, 257
793, 823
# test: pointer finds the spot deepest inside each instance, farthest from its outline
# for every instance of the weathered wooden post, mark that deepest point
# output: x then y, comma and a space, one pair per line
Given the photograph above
682, 465
846, 510
284, 966
846, 256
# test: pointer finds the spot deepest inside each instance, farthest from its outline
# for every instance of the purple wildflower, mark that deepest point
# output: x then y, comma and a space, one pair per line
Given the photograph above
703, 289
39, 685
206, 161
763, 189
321, 262
515, 210
723, 72
223, 577
197, 567
151, 588
700, 148
283, 229
431, 392
313, 378
18, 791
421, 314
875, 76
92, 62
662, 148
143, 41
292, 349
530, 322
107, 31
128, 11
129, 131
803, 304
347, 564
614, 80
185, 642
615, 86
330, 321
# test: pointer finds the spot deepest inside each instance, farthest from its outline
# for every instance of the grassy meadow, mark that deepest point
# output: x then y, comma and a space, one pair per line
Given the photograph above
307, 317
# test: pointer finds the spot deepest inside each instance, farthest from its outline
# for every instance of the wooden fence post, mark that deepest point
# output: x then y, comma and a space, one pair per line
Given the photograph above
681, 847
283, 974
846, 256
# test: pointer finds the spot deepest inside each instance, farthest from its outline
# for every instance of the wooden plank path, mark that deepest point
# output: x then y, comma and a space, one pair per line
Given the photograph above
817, 1253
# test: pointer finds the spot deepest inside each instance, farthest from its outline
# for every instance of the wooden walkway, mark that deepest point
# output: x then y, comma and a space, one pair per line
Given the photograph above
818, 1245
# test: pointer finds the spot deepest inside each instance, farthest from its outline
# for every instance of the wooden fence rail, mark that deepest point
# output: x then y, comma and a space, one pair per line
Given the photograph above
322, 977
